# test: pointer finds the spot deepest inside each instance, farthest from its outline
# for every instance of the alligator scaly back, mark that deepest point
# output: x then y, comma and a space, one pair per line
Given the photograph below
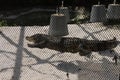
70, 44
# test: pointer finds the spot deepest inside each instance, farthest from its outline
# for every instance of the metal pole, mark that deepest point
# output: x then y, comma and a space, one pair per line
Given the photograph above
98, 2
57, 7
62, 4
114, 2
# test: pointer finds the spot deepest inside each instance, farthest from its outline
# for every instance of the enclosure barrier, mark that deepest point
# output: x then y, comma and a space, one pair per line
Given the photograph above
98, 13
58, 25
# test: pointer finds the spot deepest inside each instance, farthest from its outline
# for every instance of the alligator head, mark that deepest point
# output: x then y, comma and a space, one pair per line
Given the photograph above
39, 40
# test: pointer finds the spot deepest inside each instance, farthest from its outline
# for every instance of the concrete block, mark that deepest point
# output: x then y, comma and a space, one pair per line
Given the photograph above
58, 25
65, 11
113, 11
98, 13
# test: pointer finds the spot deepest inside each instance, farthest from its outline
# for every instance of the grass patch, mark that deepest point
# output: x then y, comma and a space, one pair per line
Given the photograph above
3, 23
112, 22
37, 18
31, 19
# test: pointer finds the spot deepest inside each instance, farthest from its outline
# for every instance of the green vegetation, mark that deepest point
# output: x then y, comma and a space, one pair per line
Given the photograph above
112, 22
40, 18
3, 23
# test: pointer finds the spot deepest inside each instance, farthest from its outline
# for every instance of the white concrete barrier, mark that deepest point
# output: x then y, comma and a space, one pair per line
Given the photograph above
113, 11
65, 11
98, 13
58, 25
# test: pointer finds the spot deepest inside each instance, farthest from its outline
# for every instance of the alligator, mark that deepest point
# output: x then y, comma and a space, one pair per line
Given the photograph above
70, 44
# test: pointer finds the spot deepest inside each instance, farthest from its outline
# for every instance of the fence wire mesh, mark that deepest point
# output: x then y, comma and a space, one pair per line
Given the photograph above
53, 58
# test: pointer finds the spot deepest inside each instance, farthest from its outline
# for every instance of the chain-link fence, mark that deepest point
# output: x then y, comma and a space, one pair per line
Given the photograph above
66, 44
